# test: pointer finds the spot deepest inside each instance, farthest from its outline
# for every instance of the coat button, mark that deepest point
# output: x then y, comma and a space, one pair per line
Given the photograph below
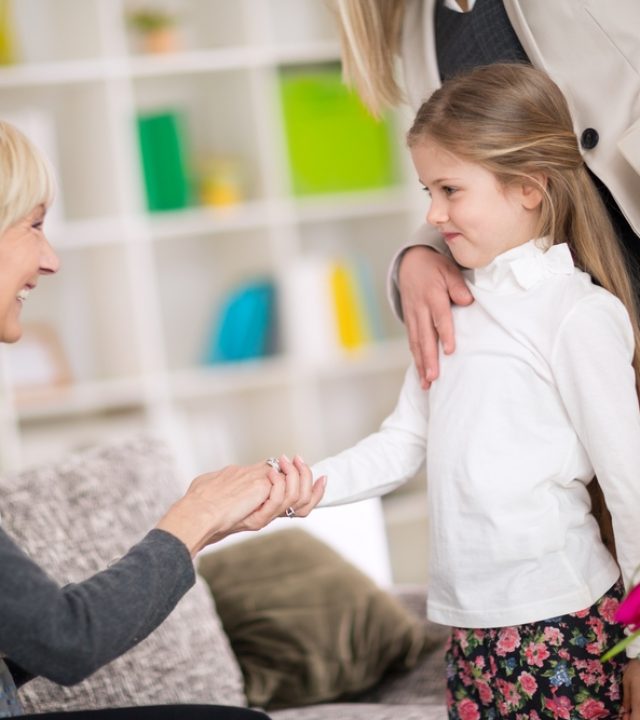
589, 139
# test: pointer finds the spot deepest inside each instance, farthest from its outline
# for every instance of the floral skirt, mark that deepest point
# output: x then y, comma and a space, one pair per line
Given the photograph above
547, 669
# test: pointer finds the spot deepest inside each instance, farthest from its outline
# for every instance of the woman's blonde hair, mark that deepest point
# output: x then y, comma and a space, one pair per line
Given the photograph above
26, 179
370, 38
514, 121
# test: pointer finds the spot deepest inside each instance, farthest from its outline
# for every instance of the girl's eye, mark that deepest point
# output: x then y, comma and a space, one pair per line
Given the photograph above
38, 225
448, 190
426, 189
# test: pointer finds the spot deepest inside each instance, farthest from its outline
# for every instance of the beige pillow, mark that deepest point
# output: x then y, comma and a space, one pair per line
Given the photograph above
304, 623
73, 519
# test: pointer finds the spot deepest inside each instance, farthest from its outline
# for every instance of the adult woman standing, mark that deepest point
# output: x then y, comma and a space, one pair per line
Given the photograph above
65, 634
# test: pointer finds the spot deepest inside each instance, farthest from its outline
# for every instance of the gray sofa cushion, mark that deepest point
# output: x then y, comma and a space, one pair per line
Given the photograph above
73, 519
345, 711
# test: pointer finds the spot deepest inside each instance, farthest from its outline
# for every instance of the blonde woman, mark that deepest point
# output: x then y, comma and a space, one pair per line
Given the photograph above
65, 634
540, 395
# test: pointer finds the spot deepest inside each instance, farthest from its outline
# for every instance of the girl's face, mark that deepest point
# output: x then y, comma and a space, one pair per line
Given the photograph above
25, 254
478, 217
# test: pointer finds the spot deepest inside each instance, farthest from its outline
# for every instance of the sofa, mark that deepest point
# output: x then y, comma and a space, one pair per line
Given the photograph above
370, 653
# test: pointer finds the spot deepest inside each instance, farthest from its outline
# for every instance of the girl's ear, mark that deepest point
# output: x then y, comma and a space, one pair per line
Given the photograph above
532, 191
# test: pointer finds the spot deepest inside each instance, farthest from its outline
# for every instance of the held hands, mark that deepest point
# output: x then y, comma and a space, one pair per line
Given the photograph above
429, 283
238, 498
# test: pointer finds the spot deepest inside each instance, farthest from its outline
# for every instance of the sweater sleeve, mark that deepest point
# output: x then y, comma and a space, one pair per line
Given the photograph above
385, 459
65, 634
594, 373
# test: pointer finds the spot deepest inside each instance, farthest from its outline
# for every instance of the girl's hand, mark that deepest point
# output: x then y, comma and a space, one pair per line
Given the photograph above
631, 691
429, 283
294, 493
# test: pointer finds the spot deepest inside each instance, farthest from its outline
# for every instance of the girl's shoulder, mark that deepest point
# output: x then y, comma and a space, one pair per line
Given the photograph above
588, 312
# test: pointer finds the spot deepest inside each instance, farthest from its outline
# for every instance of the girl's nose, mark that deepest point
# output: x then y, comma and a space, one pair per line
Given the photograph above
437, 212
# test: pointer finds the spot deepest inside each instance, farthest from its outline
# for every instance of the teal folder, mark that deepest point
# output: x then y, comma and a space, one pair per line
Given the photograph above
245, 326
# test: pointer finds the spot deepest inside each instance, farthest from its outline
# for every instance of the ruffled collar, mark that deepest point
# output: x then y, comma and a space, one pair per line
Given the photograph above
523, 267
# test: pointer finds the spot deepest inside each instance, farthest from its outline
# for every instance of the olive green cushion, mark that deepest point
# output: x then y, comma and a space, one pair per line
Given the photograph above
304, 623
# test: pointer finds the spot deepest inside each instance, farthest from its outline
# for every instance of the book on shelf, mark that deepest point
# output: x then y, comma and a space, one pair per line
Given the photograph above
333, 143
336, 310
245, 324
163, 147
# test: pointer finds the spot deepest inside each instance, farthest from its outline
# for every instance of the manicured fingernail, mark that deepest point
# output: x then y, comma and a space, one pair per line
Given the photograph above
299, 459
286, 459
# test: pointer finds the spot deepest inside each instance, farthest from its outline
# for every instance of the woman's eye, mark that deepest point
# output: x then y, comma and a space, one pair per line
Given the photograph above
38, 225
448, 190
426, 189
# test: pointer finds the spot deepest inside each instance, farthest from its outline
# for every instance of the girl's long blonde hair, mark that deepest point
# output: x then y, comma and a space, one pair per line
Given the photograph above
370, 38
514, 121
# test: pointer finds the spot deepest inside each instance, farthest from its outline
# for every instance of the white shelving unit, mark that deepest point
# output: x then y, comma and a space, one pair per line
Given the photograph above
137, 290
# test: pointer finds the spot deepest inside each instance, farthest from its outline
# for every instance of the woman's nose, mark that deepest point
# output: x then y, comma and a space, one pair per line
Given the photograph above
49, 261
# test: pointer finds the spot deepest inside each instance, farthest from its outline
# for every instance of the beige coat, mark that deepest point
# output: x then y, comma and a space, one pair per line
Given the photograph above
591, 49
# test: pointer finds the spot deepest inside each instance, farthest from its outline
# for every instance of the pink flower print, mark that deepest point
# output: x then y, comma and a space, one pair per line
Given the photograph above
528, 683
629, 609
560, 707
468, 710
508, 641
592, 709
485, 692
598, 627
479, 661
536, 653
582, 613
553, 636
563, 654
509, 692
594, 648
608, 609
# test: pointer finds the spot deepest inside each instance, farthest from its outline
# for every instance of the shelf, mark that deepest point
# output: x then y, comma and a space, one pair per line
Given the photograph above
79, 399
375, 358
233, 378
67, 72
261, 213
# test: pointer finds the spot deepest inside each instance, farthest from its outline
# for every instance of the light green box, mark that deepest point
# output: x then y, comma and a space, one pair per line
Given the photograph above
334, 144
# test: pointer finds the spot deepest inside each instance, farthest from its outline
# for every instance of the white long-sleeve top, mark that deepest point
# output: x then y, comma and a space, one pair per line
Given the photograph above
538, 397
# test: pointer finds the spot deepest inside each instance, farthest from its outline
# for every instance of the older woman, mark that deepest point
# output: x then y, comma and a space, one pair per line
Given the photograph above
65, 634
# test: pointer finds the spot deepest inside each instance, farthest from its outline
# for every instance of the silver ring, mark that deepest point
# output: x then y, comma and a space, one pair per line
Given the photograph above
290, 512
273, 462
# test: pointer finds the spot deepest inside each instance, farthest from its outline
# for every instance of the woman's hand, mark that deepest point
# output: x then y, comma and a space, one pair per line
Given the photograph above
239, 498
296, 495
429, 283
631, 691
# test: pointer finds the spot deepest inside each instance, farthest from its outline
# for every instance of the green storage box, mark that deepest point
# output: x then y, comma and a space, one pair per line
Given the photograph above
334, 144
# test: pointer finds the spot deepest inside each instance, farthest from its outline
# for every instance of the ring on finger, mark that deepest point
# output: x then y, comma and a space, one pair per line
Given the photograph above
290, 512
273, 462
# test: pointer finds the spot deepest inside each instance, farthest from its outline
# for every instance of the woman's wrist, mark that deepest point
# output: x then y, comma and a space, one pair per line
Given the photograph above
181, 521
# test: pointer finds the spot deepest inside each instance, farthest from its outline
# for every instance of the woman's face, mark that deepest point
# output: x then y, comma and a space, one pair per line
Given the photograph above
25, 254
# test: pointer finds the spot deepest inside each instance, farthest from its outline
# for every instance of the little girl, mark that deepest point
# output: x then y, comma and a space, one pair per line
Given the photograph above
540, 396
